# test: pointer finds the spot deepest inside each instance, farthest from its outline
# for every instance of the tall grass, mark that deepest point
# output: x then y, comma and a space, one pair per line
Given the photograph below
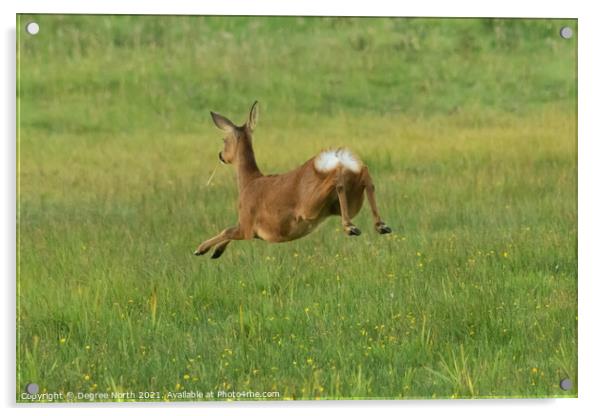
468, 127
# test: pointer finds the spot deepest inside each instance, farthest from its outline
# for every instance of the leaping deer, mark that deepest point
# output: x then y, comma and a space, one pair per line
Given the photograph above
279, 208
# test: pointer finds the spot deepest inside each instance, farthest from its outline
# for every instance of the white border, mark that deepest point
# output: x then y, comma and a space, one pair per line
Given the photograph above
508, 8
590, 137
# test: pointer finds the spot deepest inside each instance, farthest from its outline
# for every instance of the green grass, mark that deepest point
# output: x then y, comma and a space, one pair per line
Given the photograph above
468, 127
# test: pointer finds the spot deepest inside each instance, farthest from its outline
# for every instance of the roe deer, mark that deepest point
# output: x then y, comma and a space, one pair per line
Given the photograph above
278, 208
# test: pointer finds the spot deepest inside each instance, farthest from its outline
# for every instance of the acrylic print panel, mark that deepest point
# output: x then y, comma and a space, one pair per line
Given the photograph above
459, 134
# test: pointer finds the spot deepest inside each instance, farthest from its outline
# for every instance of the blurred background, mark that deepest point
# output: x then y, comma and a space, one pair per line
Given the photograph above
115, 74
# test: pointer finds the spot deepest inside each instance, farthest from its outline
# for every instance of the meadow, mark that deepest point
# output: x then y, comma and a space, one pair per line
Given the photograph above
469, 127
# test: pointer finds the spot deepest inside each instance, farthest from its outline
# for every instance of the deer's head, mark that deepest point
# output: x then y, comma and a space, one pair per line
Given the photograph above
234, 135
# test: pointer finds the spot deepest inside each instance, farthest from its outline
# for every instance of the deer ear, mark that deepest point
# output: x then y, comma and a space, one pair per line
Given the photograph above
222, 122
252, 123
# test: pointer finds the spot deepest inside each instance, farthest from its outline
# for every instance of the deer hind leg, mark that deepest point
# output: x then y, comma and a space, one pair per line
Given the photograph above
340, 187
219, 249
379, 224
221, 240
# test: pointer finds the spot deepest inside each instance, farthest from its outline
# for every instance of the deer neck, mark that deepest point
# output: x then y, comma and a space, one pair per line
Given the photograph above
246, 166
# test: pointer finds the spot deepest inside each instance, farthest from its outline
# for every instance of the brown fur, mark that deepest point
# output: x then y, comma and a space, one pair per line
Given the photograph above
278, 208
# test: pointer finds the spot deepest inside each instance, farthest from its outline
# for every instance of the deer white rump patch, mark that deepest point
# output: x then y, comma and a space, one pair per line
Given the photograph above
329, 160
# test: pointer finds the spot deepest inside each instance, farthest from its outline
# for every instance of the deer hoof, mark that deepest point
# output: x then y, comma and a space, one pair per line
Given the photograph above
200, 252
217, 254
383, 228
352, 230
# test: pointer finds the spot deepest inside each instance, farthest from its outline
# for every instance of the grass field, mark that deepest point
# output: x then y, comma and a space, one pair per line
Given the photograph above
468, 127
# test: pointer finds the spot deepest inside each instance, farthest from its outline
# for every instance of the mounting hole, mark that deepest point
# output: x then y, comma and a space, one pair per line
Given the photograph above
566, 32
566, 384
32, 388
32, 28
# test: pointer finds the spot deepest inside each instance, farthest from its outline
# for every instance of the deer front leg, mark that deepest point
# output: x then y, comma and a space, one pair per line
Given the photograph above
379, 224
348, 227
231, 233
